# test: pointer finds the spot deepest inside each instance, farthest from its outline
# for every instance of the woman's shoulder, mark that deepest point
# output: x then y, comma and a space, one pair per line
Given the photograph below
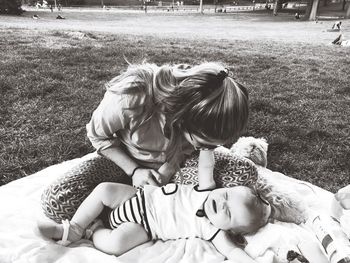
129, 103
134, 79
133, 88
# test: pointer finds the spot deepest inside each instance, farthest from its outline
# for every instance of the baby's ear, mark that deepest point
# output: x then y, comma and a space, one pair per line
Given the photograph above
238, 239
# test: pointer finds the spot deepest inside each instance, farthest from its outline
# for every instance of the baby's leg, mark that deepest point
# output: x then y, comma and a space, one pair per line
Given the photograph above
105, 194
120, 240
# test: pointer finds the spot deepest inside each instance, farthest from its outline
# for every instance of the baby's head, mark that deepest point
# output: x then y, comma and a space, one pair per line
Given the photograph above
237, 209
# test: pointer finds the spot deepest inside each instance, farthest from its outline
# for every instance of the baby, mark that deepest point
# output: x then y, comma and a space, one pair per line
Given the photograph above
169, 212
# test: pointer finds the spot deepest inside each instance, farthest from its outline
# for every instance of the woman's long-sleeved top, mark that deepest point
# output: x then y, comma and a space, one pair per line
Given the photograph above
115, 117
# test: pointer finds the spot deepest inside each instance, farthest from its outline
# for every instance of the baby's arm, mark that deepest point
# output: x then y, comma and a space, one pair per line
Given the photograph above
340, 201
226, 247
206, 165
166, 171
343, 197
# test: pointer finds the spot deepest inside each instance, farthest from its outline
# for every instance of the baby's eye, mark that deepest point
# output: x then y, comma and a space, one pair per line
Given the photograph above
228, 212
229, 215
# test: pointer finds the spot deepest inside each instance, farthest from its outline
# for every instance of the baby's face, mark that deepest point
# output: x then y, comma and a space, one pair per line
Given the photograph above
236, 208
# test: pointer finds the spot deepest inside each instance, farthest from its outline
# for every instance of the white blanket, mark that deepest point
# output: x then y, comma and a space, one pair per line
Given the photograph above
19, 241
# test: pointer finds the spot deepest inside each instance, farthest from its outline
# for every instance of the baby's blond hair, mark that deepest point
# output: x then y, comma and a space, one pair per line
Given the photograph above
285, 203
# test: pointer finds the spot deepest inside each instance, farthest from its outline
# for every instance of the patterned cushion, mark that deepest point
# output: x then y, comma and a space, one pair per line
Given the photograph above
229, 170
61, 199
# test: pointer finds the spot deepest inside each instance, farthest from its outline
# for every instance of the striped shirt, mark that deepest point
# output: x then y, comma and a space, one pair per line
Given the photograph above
168, 212
132, 210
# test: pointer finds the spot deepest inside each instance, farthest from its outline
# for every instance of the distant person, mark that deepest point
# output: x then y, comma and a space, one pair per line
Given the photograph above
338, 40
51, 8
297, 15
337, 26
60, 17
341, 41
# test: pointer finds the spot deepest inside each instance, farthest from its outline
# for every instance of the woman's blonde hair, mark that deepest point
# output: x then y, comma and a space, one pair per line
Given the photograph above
202, 99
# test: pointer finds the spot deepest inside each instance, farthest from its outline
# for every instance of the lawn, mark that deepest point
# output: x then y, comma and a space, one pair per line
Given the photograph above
51, 79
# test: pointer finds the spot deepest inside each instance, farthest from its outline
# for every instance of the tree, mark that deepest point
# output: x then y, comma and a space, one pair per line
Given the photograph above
347, 14
277, 7
78, 2
311, 10
11, 7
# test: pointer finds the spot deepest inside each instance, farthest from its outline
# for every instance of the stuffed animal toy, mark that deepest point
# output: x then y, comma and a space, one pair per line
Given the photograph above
254, 149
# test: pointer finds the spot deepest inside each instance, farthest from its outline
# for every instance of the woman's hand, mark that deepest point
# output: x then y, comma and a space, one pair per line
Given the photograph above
143, 176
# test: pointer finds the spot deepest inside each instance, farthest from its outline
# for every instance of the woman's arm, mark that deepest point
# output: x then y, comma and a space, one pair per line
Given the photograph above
108, 118
141, 176
206, 165
225, 246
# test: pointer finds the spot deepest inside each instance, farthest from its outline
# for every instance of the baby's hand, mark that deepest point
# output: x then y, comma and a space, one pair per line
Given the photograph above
166, 171
343, 197
145, 176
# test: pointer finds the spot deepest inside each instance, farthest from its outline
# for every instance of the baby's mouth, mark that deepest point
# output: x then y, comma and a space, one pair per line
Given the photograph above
214, 206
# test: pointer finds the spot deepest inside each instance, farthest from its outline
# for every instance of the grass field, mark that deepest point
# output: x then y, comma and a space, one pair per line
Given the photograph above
51, 79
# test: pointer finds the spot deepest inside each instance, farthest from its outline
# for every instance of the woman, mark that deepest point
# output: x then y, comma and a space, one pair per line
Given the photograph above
150, 119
